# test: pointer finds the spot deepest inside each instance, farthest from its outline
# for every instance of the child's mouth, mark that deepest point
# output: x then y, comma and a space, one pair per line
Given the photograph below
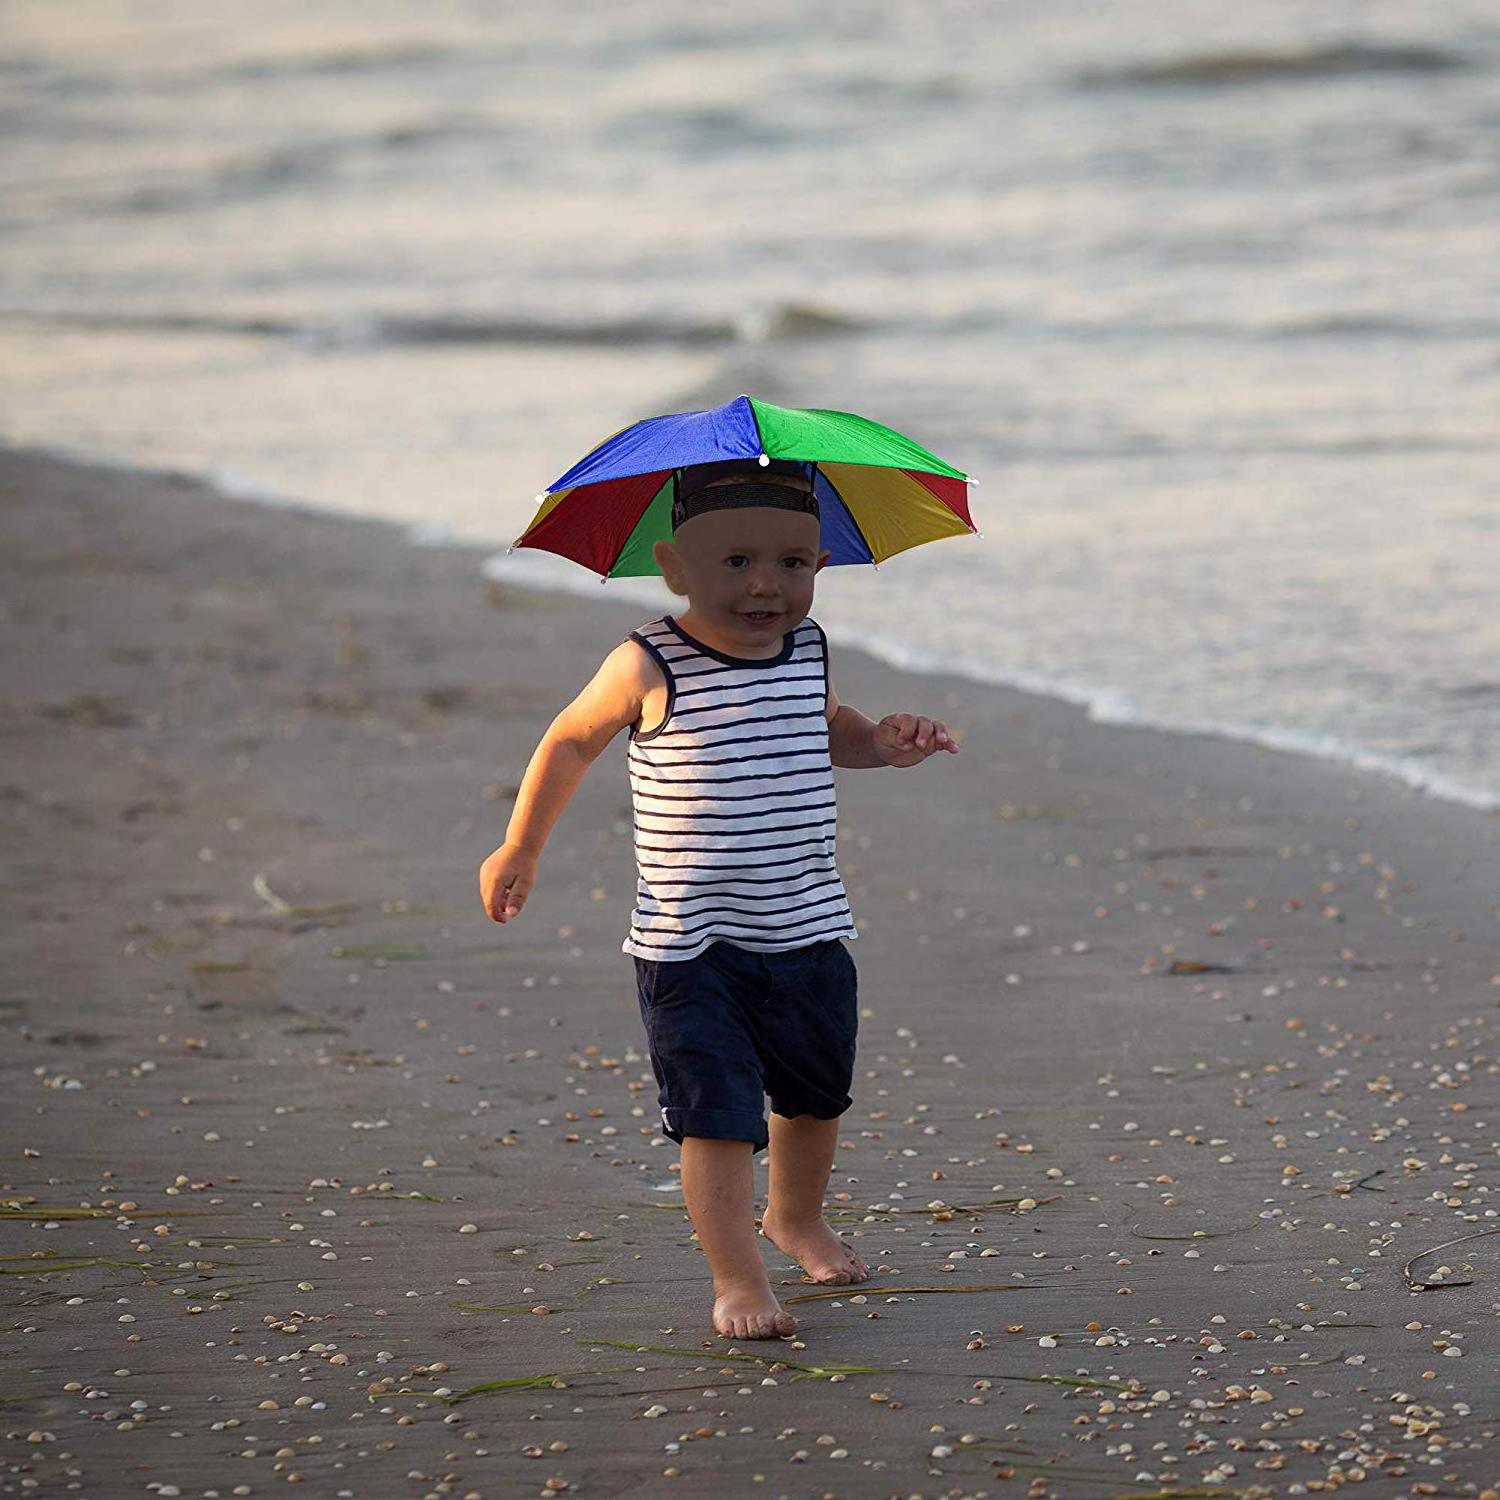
760, 616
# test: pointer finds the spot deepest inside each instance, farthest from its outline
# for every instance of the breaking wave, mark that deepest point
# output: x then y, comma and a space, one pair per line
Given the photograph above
1273, 65
790, 320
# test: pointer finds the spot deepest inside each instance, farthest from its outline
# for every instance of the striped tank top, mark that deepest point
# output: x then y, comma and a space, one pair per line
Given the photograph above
733, 794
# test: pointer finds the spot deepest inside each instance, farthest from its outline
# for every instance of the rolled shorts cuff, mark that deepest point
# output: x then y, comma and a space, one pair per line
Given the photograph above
820, 1109
715, 1125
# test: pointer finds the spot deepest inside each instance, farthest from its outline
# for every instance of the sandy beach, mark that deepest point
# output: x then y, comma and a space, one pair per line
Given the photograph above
1177, 1056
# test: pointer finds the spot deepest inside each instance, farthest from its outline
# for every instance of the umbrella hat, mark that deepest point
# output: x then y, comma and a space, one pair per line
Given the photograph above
878, 492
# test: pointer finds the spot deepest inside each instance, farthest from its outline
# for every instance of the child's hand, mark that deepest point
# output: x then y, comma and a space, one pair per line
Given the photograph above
906, 739
505, 880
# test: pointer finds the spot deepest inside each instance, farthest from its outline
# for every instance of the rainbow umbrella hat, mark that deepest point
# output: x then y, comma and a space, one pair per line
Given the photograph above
878, 492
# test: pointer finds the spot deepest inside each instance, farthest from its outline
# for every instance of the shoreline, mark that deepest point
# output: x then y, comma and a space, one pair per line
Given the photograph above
1102, 704
1175, 1053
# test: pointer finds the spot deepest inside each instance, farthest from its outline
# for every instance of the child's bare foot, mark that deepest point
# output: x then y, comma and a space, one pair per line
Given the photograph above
820, 1252
751, 1312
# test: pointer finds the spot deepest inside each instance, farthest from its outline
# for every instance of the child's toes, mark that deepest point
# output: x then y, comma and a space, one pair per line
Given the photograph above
858, 1270
784, 1323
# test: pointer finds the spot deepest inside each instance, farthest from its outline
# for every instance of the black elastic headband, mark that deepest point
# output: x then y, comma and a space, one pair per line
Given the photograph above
695, 491
743, 496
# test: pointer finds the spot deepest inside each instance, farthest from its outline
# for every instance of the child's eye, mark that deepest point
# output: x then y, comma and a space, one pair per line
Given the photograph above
793, 562
737, 561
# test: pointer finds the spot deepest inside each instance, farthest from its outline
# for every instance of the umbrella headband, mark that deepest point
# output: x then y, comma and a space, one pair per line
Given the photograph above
694, 477
742, 496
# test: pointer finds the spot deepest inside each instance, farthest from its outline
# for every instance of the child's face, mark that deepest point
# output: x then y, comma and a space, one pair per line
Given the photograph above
747, 574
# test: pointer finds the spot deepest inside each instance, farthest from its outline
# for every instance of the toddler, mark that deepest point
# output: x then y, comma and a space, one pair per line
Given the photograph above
743, 980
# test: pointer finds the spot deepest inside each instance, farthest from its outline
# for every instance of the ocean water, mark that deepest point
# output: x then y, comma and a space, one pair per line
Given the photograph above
1207, 295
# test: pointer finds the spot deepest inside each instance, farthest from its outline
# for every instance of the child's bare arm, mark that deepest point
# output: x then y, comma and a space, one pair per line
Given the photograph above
897, 740
610, 702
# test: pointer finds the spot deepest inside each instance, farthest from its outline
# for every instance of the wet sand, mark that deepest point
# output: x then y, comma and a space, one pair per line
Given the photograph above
1174, 1054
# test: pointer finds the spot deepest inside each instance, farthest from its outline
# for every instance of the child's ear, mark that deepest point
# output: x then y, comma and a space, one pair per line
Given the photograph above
822, 561
669, 560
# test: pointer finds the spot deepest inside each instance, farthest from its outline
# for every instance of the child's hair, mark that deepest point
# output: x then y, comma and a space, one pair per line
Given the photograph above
695, 488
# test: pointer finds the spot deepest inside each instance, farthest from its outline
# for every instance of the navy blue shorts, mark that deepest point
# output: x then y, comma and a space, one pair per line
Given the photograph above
730, 1026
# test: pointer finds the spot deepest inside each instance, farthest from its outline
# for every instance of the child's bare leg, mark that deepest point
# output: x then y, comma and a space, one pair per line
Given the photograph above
719, 1189
801, 1158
